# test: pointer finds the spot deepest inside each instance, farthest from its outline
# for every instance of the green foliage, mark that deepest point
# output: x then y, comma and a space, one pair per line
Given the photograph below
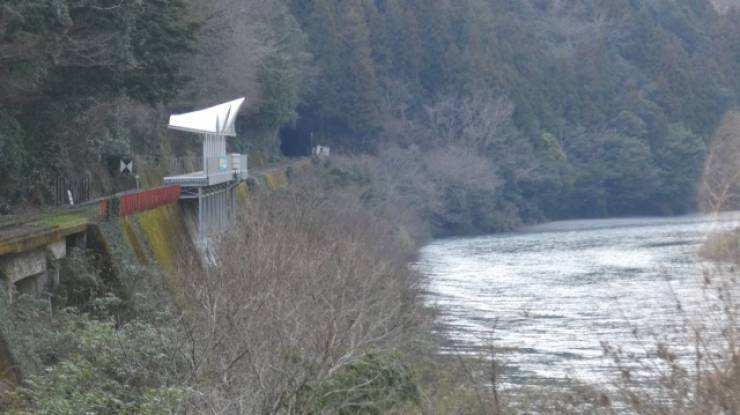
572, 71
629, 175
343, 176
632, 68
372, 385
280, 94
81, 283
616, 175
160, 33
11, 158
64, 62
346, 94
99, 367
470, 209
680, 160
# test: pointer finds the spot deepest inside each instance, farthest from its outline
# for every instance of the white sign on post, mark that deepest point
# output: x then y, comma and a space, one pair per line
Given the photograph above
127, 166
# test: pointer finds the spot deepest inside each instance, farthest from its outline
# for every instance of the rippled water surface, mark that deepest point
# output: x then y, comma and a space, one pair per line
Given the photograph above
547, 297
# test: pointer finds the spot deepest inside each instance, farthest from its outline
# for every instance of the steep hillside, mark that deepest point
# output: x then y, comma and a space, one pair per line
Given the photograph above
578, 108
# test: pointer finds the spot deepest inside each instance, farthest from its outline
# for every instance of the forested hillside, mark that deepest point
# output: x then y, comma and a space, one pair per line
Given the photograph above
509, 110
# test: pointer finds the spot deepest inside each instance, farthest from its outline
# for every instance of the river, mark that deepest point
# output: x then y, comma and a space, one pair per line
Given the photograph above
548, 297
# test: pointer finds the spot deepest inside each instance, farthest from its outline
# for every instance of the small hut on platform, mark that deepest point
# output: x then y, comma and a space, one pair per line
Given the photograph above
214, 186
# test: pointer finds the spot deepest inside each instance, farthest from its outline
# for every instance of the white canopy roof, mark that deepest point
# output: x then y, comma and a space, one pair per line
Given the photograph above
218, 120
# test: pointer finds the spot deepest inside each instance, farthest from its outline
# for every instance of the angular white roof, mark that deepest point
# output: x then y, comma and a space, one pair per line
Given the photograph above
217, 120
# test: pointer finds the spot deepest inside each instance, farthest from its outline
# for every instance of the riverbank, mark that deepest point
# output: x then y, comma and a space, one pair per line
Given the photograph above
310, 308
326, 317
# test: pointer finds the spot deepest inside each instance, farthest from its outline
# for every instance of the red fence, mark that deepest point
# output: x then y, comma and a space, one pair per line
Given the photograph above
103, 210
148, 199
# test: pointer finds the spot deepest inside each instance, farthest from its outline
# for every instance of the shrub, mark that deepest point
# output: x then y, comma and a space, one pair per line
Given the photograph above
307, 285
370, 385
95, 367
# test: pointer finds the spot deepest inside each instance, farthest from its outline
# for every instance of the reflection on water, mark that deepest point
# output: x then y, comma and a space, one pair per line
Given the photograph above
554, 292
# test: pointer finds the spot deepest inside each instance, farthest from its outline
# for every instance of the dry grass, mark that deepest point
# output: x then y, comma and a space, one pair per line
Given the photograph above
307, 285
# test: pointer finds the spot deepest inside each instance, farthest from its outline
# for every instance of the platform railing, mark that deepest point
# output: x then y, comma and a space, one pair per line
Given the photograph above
215, 170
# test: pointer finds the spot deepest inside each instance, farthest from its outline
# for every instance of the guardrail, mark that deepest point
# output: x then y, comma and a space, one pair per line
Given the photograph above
128, 203
148, 199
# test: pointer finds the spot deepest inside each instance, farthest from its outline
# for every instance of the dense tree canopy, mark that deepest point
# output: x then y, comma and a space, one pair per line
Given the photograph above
64, 63
582, 107
614, 99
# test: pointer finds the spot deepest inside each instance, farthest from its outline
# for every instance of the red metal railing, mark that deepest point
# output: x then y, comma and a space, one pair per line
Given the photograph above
149, 199
103, 210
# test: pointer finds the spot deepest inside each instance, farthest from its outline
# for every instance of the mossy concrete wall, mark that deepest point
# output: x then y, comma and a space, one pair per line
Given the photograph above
242, 194
160, 237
